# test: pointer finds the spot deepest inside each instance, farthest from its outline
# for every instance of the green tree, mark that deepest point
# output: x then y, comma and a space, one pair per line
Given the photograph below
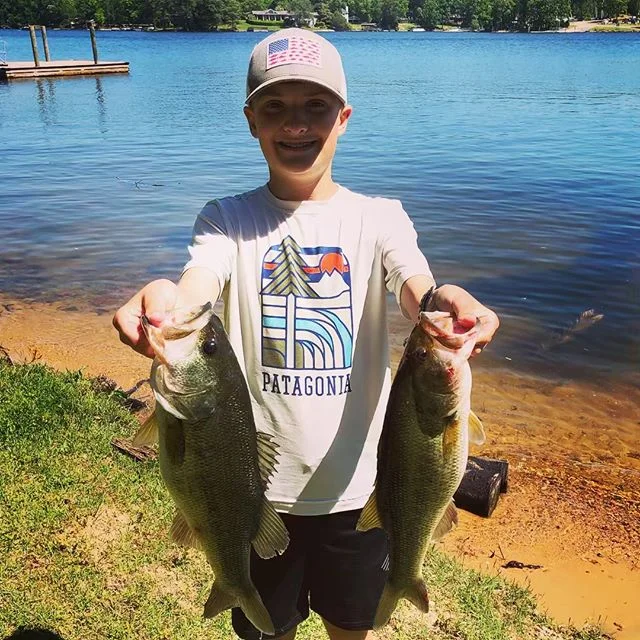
324, 14
86, 10
338, 22
503, 14
614, 8
389, 12
302, 11
431, 14
476, 14
583, 9
180, 13
547, 14
360, 11
58, 13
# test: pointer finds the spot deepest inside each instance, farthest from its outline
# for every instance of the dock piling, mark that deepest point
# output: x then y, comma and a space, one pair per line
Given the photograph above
94, 46
34, 45
45, 43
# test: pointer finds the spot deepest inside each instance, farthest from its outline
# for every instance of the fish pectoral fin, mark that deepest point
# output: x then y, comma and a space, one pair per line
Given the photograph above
267, 456
447, 522
147, 435
272, 537
370, 517
218, 601
476, 430
182, 534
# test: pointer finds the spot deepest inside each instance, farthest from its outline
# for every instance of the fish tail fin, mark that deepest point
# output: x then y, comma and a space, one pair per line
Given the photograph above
249, 601
387, 605
218, 601
253, 607
418, 595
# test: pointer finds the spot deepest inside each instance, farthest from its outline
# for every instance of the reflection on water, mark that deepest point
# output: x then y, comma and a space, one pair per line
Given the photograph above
102, 107
512, 154
46, 88
46, 99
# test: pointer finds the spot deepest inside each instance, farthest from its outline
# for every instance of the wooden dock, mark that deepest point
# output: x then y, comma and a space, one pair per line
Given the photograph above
59, 68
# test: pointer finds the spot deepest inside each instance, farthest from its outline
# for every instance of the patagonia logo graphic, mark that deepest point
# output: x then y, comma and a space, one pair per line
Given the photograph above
306, 314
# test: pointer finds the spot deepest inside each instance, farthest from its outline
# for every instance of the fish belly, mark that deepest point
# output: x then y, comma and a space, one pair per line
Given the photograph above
419, 469
217, 488
420, 490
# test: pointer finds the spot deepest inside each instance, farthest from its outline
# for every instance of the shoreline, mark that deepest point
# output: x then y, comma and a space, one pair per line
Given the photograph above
573, 505
578, 26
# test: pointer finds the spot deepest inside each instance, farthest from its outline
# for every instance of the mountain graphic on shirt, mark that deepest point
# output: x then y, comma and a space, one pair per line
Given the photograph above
306, 307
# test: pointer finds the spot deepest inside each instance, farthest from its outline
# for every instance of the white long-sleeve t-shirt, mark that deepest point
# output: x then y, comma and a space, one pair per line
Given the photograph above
304, 287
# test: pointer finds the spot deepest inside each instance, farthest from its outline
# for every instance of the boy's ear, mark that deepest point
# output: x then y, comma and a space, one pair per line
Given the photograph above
251, 120
345, 114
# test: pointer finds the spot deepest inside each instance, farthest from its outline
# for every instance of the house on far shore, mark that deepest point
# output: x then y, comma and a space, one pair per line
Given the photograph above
271, 15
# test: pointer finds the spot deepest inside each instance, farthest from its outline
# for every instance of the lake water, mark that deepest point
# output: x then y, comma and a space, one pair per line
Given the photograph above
517, 157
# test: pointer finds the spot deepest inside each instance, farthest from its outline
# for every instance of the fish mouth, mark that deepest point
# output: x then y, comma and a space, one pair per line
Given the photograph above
179, 323
447, 331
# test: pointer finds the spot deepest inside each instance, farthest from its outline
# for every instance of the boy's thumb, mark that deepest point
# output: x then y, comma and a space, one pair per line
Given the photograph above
159, 297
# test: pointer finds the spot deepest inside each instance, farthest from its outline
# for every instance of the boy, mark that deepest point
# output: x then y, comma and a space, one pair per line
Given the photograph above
303, 265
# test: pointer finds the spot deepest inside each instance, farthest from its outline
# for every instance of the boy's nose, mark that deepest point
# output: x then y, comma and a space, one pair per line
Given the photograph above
296, 122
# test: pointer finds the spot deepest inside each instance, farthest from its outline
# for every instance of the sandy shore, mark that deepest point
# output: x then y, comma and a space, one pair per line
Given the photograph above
573, 507
582, 26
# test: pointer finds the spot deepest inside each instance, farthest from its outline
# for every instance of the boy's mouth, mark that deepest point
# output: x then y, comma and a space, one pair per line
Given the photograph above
296, 145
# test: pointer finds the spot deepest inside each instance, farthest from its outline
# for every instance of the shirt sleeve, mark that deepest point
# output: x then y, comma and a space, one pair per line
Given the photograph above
401, 256
213, 246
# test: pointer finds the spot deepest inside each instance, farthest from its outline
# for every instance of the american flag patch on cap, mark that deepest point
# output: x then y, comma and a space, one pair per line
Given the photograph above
293, 50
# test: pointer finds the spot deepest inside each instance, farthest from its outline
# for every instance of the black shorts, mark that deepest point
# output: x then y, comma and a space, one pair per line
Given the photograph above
328, 567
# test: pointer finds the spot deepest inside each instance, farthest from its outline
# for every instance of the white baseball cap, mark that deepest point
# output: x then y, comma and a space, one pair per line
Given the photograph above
296, 54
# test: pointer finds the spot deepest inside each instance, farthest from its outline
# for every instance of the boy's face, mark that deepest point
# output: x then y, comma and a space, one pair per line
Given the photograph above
297, 125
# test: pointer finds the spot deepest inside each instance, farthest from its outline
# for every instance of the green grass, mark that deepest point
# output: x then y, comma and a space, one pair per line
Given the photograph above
620, 28
84, 549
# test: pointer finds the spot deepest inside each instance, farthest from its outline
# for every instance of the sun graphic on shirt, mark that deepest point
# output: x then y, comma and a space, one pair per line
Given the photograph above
331, 262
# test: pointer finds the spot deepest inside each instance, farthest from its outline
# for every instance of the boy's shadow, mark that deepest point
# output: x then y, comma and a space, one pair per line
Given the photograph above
23, 633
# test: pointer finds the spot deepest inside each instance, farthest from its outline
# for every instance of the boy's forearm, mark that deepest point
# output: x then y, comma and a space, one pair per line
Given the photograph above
411, 295
198, 286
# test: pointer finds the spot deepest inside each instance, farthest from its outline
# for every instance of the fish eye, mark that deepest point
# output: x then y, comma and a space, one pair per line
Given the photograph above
209, 346
420, 354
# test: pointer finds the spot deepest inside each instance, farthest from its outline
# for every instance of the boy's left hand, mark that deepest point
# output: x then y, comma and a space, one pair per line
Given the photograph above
467, 310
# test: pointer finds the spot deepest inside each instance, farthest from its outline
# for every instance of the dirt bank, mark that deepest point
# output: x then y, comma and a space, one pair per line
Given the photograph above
573, 507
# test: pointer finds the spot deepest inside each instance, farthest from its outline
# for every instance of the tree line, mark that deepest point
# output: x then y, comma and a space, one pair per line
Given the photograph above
205, 15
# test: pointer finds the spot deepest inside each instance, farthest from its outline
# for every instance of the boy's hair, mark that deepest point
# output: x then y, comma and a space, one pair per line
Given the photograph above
296, 54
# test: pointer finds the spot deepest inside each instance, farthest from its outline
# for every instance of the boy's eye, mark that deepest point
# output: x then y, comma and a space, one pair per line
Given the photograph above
272, 105
317, 105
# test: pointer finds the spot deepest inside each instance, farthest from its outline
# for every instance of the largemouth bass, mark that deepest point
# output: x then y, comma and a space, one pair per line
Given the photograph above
422, 454
213, 462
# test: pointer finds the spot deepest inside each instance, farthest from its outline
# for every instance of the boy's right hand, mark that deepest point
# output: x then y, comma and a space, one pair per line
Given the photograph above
152, 301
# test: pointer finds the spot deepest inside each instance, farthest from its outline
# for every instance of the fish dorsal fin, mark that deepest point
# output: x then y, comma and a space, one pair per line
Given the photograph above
148, 433
182, 534
272, 537
448, 521
476, 430
370, 517
267, 456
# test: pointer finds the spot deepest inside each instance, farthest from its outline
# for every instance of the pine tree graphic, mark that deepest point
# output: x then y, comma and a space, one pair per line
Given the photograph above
290, 281
289, 277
